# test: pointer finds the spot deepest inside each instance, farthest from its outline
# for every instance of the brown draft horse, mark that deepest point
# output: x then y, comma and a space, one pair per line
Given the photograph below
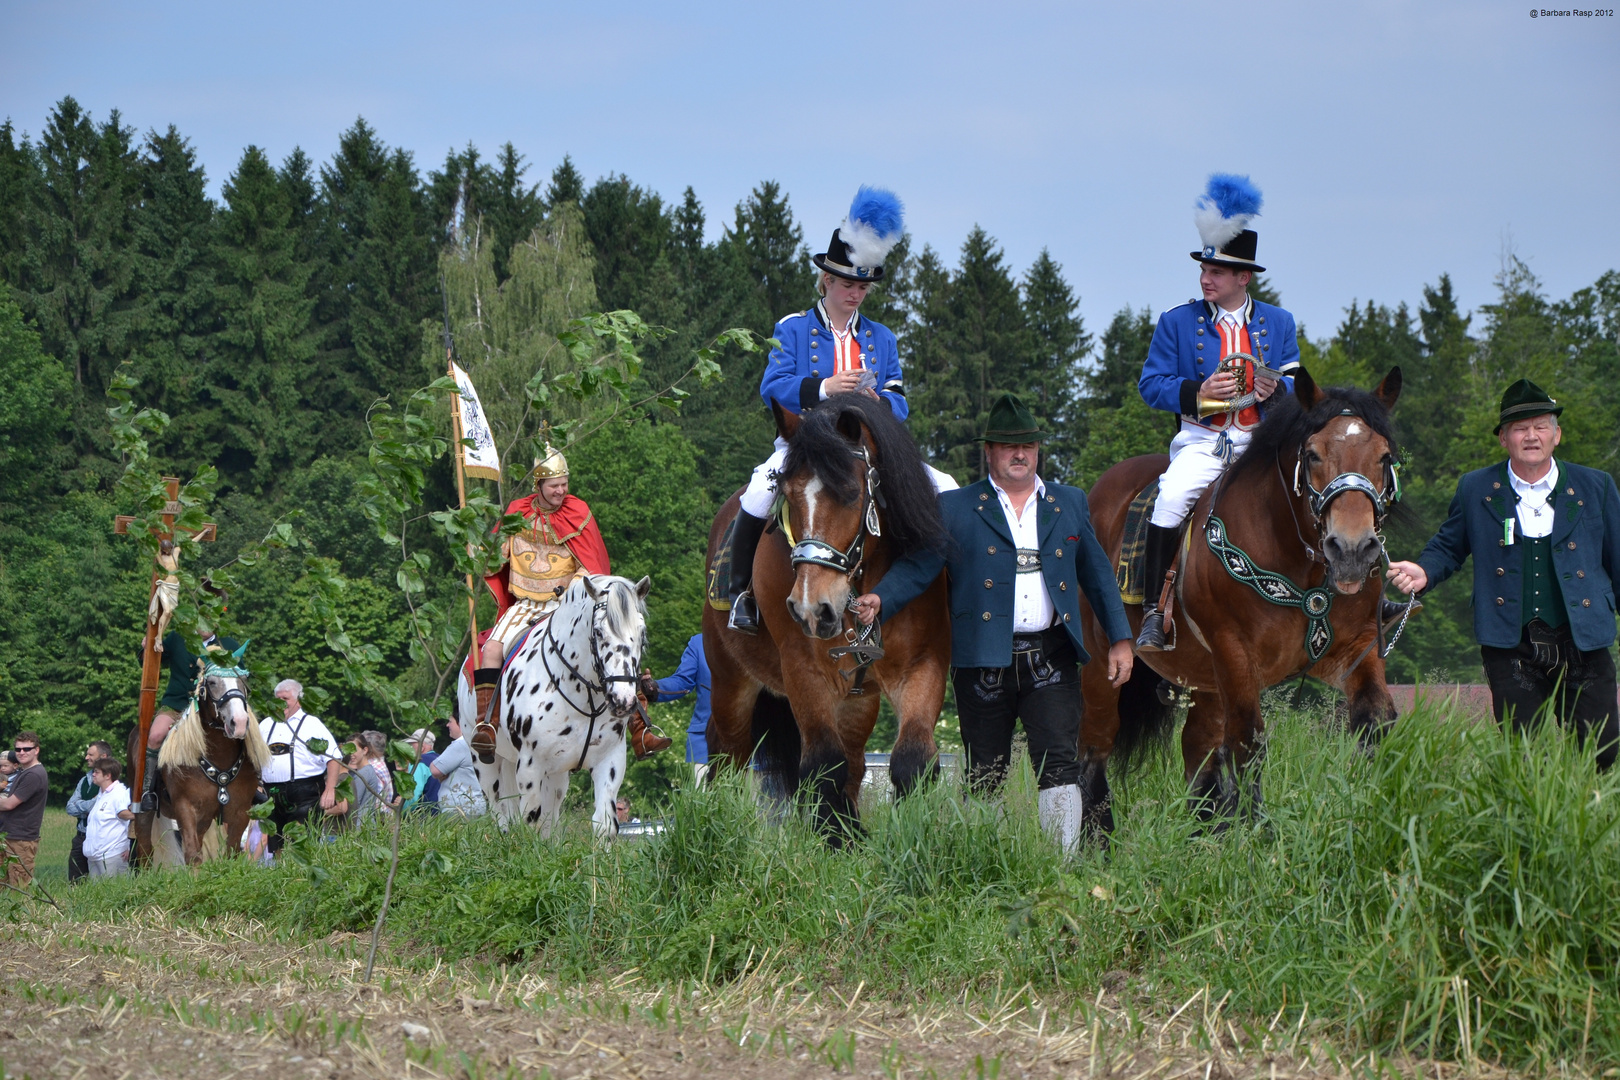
208, 768
856, 497
1306, 502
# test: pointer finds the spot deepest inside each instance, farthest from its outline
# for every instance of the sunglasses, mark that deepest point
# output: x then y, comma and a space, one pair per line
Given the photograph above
25, 749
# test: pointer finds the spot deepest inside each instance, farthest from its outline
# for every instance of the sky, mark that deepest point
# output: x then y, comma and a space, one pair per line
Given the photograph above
1394, 141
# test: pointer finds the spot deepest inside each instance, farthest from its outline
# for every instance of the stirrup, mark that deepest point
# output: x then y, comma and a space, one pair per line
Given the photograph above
644, 740
149, 802
483, 742
744, 617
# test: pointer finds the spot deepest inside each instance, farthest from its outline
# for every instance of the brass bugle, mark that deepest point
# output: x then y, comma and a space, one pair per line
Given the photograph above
1209, 406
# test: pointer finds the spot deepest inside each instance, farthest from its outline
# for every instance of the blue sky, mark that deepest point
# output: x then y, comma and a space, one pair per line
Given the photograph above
1394, 141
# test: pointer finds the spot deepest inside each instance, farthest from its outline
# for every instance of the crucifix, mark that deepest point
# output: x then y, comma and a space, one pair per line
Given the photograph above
150, 664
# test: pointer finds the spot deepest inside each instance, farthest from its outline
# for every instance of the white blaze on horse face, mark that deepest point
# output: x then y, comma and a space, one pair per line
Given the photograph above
235, 720
812, 489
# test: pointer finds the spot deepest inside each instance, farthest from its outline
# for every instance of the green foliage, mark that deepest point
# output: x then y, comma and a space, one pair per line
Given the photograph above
34, 394
1455, 864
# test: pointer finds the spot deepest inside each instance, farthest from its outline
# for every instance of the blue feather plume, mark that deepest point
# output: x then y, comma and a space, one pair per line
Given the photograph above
1225, 209
873, 226
880, 210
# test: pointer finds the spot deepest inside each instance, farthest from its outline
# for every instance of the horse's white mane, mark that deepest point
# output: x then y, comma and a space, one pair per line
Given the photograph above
188, 742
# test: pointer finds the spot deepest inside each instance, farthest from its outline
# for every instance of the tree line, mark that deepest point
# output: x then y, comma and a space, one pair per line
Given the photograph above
270, 321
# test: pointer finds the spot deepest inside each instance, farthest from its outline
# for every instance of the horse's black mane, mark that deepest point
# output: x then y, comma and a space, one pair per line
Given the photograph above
1288, 424
911, 518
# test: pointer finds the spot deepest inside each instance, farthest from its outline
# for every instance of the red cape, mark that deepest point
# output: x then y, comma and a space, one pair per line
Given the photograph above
573, 517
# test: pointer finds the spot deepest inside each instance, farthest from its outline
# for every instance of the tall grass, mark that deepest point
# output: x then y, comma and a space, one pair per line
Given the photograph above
1456, 893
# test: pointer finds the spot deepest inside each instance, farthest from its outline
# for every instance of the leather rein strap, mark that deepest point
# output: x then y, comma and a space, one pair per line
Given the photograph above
594, 711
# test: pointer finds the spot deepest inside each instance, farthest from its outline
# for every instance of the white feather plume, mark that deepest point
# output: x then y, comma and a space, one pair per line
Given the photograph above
1214, 230
866, 247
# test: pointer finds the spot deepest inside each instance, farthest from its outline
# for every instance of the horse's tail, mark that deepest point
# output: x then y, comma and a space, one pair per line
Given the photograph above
777, 746
1145, 722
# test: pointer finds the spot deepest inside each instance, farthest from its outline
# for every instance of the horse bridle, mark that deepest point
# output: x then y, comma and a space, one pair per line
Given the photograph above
221, 778
818, 552
591, 689
1318, 501
865, 642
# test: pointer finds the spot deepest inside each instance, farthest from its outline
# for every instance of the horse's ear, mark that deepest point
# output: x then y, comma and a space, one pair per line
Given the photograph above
1305, 389
787, 423
644, 586
849, 425
590, 586
1390, 388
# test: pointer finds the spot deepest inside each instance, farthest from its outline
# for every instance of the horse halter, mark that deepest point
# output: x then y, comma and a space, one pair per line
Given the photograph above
214, 671
818, 552
595, 711
221, 778
1346, 482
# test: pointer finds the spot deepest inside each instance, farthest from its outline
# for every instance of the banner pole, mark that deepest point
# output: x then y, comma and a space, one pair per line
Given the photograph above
461, 494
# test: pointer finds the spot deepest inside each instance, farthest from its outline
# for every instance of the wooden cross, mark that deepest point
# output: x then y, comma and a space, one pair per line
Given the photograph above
150, 663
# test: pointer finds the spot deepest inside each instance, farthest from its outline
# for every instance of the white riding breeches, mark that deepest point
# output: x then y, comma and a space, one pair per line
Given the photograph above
1195, 462
761, 490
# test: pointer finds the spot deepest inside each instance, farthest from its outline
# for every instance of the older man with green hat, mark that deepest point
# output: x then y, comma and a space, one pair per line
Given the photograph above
1545, 537
1022, 552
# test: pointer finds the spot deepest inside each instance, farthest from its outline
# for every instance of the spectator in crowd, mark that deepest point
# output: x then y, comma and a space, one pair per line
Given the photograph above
459, 791
78, 807
22, 809
8, 770
425, 794
106, 835
621, 811
373, 785
692, 675
305, 766
255, 844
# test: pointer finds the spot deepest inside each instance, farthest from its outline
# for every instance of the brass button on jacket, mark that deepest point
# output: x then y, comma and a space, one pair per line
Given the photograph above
1500, 571
989, 584
991, 550
1500, 601
985, 616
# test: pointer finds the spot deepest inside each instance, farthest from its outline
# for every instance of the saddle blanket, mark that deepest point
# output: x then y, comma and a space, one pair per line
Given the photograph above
1133, 549
719, 587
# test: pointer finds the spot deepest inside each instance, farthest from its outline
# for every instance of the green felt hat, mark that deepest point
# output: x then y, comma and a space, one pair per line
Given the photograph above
1522, 400
1011, 422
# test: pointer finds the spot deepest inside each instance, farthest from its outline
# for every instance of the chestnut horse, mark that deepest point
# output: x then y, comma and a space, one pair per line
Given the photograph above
208, 767
854, 497
1304, 504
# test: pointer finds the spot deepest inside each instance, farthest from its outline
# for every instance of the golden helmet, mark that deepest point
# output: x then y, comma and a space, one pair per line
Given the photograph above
550, 466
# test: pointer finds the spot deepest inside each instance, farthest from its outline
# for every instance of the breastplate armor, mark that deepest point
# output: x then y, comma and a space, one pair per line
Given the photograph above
540, 562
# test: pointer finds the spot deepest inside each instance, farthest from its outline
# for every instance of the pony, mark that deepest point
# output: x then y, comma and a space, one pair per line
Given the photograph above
853, 497
208, 767
1270, 585
570, 689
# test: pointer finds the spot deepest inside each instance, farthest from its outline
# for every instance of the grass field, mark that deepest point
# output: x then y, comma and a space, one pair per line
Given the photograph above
1454, 896
55, 841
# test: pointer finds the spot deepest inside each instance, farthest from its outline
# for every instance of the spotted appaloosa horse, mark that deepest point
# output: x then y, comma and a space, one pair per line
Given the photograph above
1300, 510
568, 694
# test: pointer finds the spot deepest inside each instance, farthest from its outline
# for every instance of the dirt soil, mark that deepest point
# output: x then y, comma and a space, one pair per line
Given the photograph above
161, 1000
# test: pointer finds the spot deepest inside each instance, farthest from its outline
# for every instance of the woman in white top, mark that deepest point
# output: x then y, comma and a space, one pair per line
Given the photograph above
106, 837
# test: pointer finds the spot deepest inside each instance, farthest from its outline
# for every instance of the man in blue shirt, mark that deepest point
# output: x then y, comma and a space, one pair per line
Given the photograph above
692, 675
1545, 537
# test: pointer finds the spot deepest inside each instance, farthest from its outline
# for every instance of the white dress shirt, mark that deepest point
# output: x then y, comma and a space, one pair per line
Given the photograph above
301, 763
1535, 502
1032, 604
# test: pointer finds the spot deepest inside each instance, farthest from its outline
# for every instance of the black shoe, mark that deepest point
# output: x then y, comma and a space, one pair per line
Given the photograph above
1390, 612
744, 542
744, 617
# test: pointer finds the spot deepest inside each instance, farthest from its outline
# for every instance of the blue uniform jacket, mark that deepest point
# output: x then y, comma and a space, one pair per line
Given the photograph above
1585, 552
1186, 348
692, 674
982, 565
793, 372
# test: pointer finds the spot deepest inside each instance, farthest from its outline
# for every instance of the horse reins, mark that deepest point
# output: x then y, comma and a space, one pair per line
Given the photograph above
591, 689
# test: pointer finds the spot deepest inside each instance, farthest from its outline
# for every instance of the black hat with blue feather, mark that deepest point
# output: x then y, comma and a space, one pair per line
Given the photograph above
1222, 214
869, 232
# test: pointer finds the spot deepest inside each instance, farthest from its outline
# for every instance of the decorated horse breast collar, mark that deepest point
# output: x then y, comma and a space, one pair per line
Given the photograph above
1316, 603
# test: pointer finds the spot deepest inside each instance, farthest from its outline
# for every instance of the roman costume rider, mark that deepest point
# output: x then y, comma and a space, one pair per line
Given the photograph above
828, 349
1224, 348
559, 544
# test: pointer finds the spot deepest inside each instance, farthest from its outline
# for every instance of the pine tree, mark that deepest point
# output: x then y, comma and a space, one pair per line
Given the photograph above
567, 185
1059, 344
260, 410
1113, 422
629, 231
511, 211
17, 174
175, 304
942, 417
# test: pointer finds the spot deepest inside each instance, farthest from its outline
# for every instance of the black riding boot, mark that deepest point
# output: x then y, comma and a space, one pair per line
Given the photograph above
149, 797
744, 541
1158, 559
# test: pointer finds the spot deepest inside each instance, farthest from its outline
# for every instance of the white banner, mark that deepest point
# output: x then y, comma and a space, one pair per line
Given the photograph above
481, 459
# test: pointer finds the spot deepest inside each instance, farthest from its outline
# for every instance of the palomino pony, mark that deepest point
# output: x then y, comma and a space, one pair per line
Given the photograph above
208, 767
1271, 584
854, 496
570, 689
